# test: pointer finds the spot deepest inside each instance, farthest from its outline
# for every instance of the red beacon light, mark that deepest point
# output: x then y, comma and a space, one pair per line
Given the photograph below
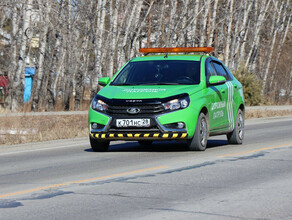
176, 50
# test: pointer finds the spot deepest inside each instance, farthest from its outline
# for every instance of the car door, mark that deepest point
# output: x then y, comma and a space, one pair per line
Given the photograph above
216, 100
234, 91
227, 92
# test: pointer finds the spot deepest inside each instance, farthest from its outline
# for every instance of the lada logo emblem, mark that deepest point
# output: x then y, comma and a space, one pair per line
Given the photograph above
133, 110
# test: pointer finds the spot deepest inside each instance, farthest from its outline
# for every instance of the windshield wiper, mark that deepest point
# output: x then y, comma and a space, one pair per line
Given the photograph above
159, 83
153, 83
124, 84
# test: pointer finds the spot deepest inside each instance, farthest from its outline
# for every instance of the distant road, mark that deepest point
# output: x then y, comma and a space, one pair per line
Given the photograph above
64, 179
275, 107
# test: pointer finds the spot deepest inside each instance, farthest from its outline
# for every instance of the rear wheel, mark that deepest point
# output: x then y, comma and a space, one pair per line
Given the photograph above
99, 146
199, 140
145, 142
237, 135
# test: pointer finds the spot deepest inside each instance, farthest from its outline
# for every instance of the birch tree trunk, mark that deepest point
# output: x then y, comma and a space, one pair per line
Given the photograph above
280, 48
65, 85
57, 51
251, 56
113, 33
194, 23
100, 27
238, 11
274, 36
18, 79
120, 31
131, 47
12, 68
228, 37
149, 25
3, 18
86, 48
162, 26
61, 54
244, 31
139, 26
44, 9
204, 23
212, 27
122, 53
172, 21
183, 32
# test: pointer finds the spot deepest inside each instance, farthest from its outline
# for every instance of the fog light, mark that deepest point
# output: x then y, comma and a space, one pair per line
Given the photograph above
177, 125
180, 125
94, 125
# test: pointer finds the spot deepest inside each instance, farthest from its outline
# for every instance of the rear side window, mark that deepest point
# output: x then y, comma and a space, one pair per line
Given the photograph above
220, 70
230, 76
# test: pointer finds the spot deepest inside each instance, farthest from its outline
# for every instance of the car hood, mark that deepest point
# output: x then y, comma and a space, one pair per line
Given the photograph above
146, 92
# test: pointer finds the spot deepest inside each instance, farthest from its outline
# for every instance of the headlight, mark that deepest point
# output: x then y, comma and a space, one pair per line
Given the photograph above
99, 105
177, 104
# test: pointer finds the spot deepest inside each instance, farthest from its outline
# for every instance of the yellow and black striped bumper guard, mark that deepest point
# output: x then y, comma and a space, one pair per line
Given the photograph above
123, 136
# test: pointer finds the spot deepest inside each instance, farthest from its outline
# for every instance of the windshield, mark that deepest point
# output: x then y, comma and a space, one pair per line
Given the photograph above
159, 72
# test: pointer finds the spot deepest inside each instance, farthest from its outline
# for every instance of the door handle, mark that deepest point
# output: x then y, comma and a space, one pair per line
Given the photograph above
222, 90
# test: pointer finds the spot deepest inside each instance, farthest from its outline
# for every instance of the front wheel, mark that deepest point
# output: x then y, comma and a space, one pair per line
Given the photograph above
98, 146
199, 140
237, 135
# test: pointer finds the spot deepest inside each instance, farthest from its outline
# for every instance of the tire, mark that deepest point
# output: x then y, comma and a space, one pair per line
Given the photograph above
237, 135
143, 143
99, 146
199, 141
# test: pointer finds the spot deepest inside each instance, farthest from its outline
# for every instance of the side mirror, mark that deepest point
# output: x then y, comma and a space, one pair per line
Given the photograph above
216, 80
103, 81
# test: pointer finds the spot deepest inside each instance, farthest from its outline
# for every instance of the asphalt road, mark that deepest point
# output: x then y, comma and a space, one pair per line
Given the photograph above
66, 180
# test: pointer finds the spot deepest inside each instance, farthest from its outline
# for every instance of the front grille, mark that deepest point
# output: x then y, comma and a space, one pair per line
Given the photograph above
153, 129
144, 109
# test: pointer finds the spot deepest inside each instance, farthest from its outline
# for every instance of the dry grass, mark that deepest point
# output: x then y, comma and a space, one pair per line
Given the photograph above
25, 129
4, 110
267, 113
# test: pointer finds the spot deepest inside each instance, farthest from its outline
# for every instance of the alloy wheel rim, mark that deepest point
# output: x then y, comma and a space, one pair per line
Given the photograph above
240, 126
203, 132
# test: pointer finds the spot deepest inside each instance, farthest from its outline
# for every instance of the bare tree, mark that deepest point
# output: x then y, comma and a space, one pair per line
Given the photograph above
277, 13
81, 41
18, 78
45, 8
258, 26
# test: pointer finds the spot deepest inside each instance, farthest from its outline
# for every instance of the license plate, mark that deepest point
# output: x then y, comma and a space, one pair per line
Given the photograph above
133, 122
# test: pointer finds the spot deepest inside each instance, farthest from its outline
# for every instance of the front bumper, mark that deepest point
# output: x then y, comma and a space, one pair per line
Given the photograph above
157, 131
139, 136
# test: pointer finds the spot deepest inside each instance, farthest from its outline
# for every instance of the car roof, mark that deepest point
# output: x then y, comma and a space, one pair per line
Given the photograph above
187, 57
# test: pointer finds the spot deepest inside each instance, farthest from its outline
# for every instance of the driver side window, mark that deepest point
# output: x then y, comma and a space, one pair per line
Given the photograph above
210, 71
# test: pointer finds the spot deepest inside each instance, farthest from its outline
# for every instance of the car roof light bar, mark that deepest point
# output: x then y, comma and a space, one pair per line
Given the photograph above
176, 50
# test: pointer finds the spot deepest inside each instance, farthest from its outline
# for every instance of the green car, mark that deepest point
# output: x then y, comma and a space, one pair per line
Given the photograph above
168, 96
